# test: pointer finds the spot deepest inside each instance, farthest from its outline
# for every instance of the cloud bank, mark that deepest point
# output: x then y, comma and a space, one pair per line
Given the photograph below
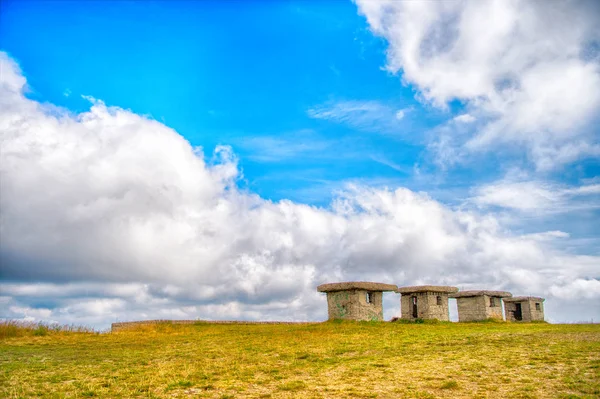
528, 72
107, 215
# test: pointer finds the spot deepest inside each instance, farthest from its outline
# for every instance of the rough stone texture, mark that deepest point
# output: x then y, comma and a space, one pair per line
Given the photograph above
529, 311
497, 294
356, 285
477, 305
525, 298
352, 305
427, 288
477, 308
427, 305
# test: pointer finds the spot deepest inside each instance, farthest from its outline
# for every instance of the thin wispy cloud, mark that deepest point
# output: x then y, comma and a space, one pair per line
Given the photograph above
383, 160
304, 143
537, 196
369, 116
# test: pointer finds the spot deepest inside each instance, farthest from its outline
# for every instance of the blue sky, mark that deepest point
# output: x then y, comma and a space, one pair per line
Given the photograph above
313, 98
220, 75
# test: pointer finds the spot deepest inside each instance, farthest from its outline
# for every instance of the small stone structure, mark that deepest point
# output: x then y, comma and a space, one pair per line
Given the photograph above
524, 308
358, 300
425, 302
479, 305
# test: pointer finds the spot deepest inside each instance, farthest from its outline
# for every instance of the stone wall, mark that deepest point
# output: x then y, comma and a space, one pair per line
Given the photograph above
536, 315
427, 306
471, 308
477, 308
529, 310
353, 305
493, 312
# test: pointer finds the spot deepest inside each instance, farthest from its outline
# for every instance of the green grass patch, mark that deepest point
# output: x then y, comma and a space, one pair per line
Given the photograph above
292, 386
450, 385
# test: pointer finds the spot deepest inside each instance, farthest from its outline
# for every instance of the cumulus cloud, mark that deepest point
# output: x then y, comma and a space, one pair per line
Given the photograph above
108, 215
529, 70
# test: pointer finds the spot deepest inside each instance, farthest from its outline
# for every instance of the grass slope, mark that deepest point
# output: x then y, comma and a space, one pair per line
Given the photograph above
346, 360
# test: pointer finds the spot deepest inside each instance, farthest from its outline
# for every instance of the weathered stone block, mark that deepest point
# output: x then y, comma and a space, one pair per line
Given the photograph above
524, 308
425, 302
479, 305
361, 301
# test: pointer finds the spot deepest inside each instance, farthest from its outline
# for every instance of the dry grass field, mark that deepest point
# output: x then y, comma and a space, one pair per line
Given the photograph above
339, 360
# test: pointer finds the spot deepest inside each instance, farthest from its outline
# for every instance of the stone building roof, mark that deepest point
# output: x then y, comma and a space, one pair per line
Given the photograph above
497, 294
426, 288
524, 298
356, 285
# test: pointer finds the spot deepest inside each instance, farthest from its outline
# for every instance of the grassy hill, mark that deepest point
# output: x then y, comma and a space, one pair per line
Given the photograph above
346, 360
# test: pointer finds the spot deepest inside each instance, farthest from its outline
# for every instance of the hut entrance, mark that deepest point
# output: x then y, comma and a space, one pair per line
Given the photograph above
518, 312
414, 307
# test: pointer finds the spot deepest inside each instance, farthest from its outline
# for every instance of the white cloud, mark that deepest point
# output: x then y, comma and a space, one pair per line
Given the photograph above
548, 235
31, 313
583, 190
579, 288
520, 195
106, 215
538, 196
465, 118
531, 70
401, 113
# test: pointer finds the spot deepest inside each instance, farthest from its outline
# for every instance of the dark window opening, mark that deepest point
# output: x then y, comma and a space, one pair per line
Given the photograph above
538, 307
439, 300
415, 313
492, 302
369, 297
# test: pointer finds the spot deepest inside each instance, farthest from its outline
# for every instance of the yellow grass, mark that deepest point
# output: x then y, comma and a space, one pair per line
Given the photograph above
345, 360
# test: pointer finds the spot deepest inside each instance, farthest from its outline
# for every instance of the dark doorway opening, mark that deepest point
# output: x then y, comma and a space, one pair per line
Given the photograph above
518, 312
414, 308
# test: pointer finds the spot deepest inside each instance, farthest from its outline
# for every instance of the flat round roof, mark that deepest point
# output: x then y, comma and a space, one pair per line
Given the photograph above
426, 288
524, 298
356, 285
497, 294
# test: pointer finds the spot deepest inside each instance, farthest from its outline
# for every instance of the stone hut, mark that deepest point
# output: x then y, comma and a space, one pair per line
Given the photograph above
524, 308
479, 305
425, 302
357, 300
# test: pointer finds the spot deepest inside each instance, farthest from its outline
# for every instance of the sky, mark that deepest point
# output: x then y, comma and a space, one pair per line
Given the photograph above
219, 160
